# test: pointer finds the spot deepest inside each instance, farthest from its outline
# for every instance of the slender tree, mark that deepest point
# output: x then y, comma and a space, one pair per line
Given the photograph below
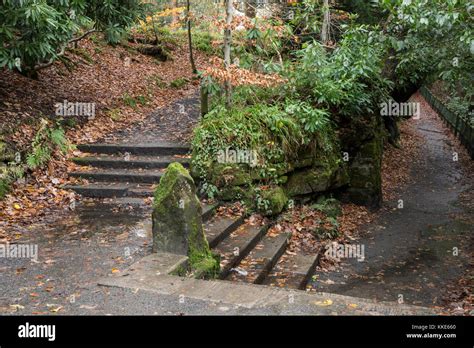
190, 37
229, 9
326, 27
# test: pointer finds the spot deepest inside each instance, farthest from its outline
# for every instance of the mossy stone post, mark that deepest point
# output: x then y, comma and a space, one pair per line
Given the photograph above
177, 221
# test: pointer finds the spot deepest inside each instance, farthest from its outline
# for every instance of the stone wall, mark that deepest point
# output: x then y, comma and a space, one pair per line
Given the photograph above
352, 168
363, 143
309, 173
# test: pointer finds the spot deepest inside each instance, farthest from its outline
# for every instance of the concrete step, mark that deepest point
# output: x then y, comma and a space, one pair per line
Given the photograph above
130, 201
220, 227
293, 271
119, 190
237, 246
128, 194
119, 162
142, 191
112, 190
262, 259
146, 176
150, 277
208, 210
101, 190
156, 149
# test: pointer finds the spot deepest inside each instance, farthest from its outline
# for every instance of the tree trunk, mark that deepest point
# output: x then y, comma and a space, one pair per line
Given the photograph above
227, 50
204, 100
190, 38
326, 28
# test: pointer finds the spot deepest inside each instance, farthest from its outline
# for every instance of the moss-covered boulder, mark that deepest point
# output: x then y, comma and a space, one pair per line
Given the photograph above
341, 177
204, 265
224, 175
305, 158
177, 221
234, 193
313, 180
303, 163
273, 201
327, 172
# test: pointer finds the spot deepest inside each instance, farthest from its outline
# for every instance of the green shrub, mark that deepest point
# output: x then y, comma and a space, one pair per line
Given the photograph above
327, 229
432, 39
83, 54
276, 133
349, 80
331, 207
157, 81
4, 187
114, 114
462, 107
202, 41
35, 32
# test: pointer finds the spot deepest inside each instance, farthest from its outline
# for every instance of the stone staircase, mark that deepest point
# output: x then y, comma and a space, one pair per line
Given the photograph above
269, 263
117, 171
249, 253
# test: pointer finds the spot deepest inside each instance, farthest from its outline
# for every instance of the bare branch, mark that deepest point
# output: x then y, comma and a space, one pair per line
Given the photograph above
87, 33
44, 65
41, 66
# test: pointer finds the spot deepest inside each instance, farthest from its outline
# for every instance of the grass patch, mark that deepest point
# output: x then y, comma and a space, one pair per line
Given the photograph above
157, 80
115, 114
179, 83
134, 102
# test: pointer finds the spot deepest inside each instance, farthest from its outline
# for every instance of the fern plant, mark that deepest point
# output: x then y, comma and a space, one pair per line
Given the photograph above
45, 142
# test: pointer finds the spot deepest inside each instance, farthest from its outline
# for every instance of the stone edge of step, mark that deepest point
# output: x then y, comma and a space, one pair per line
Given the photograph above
152, 274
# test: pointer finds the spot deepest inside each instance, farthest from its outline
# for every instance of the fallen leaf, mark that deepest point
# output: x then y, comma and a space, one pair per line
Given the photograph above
87, 307
17, 307
324, 303
54, 308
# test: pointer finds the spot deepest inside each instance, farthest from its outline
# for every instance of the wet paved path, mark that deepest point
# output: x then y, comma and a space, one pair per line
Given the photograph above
74, 250
410, 253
